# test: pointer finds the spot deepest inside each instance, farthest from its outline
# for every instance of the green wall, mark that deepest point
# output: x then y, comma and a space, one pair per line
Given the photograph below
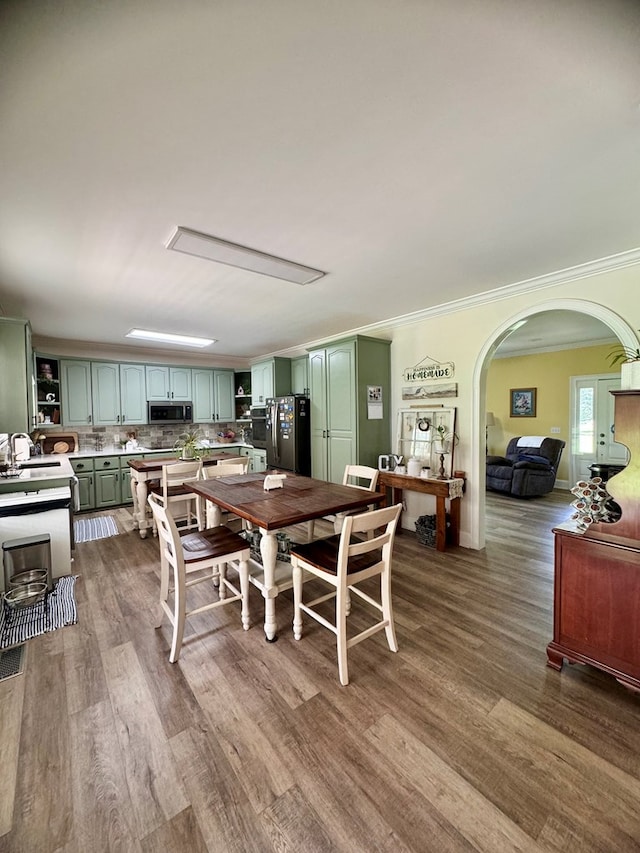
550, 374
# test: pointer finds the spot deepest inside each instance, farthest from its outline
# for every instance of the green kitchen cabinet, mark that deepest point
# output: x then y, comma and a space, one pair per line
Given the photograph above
77, 408
300, 375
213, 395
168, 383
259, 460
133, 394
270, 378
83, 469
107, 481
344, 429
118, 393
17, 412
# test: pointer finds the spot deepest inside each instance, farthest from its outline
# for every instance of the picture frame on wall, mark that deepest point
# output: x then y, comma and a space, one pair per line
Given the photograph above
522, 402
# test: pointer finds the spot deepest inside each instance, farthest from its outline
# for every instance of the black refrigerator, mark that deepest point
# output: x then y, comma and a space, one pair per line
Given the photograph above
289, 434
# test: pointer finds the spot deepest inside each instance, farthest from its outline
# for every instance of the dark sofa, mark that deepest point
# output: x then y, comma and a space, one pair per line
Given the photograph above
525, 471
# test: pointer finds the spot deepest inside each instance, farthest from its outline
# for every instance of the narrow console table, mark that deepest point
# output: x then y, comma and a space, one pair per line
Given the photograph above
444, 490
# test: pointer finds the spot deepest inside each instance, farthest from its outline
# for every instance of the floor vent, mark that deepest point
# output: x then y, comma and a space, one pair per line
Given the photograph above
11, 662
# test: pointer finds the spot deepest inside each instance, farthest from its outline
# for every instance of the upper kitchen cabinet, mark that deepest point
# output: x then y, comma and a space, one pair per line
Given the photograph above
77, 408
118, 393
300, 375
16, 389
350, 384
213, 395
270, 378
168, 383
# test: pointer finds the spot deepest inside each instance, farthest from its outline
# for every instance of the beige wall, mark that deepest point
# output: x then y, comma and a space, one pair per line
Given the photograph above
467, 337
549, 373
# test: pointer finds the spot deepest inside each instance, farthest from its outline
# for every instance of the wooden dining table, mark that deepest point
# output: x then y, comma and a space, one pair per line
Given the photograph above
300, 499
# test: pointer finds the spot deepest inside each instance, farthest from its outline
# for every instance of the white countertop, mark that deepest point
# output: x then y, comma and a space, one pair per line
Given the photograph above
57, 473
119, 451
54, 470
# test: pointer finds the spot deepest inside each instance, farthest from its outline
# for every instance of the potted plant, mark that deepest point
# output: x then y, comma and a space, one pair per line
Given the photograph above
445, 438
190, 445
629, 361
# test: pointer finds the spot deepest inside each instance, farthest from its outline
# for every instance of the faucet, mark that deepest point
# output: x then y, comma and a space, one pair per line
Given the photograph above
11, 455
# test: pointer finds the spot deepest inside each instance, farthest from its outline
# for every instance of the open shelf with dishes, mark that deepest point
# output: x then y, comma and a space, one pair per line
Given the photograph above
243, 396
48, 392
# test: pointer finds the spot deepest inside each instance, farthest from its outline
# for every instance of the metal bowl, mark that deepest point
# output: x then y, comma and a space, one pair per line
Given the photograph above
26, 577
25, 595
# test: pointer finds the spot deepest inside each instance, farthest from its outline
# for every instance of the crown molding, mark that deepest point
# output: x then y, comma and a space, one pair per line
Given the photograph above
590, 268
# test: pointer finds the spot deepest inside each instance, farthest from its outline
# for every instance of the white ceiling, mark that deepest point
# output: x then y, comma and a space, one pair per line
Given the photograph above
418, 152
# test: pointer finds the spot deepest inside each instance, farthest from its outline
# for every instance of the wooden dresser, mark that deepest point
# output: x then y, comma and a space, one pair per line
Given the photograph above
597, 572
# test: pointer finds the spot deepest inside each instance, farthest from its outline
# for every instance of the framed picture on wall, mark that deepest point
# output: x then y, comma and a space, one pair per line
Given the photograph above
523, 402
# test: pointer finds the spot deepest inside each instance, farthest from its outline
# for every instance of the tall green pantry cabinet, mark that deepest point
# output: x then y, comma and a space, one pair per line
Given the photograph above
345, 429
16, 379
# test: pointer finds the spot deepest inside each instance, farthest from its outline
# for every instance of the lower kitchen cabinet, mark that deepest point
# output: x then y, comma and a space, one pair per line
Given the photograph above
83, 469
259, 460
107, 480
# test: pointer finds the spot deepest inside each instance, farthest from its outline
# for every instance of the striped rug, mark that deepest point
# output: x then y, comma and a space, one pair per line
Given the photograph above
56, 610
88, 529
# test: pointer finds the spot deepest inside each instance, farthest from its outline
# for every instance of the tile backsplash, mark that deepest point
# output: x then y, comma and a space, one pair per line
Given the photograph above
152, 437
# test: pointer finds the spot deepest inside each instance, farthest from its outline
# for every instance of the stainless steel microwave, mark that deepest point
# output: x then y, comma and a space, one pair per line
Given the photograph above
170, 413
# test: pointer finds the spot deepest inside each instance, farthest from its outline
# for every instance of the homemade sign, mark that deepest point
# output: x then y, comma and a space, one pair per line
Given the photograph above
432, 369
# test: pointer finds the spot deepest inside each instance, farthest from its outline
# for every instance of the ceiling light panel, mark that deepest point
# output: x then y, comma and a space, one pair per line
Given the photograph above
168, 338
212, 249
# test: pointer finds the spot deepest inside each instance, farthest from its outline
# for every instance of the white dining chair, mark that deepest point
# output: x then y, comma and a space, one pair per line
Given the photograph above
224, 469
361, 551
174, 492
207, 553
358, 476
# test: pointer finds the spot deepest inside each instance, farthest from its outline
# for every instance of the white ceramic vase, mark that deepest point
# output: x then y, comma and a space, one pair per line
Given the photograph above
630, 376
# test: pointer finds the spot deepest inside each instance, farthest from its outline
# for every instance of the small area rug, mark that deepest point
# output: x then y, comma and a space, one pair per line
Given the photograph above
56, 610
88, 529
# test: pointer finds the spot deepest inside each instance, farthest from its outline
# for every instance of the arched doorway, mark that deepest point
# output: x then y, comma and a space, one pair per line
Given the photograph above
619, 327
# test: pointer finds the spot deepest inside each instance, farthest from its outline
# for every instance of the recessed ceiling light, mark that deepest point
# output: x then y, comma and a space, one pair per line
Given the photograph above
167, 338
213, 249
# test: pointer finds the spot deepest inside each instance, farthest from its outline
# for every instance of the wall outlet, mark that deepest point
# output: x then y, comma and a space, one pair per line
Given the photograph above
555, 430
116, 439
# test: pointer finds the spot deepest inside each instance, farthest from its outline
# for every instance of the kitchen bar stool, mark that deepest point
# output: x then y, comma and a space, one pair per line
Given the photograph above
207, 552
224, 469
173, 491
361, 551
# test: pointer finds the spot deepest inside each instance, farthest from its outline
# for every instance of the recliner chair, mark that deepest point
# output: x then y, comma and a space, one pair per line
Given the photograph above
526, 470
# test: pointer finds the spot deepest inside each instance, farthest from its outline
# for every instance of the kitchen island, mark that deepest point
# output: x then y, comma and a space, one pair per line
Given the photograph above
144, 470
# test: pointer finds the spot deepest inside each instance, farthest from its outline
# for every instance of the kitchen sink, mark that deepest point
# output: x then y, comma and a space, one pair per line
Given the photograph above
38, 464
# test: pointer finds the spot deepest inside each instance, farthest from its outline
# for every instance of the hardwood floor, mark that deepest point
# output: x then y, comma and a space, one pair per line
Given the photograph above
464, 740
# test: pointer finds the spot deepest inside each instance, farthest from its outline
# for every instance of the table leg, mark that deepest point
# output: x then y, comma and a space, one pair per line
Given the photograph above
213, 516
140, 492
454, 516
268, 551
441, 524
